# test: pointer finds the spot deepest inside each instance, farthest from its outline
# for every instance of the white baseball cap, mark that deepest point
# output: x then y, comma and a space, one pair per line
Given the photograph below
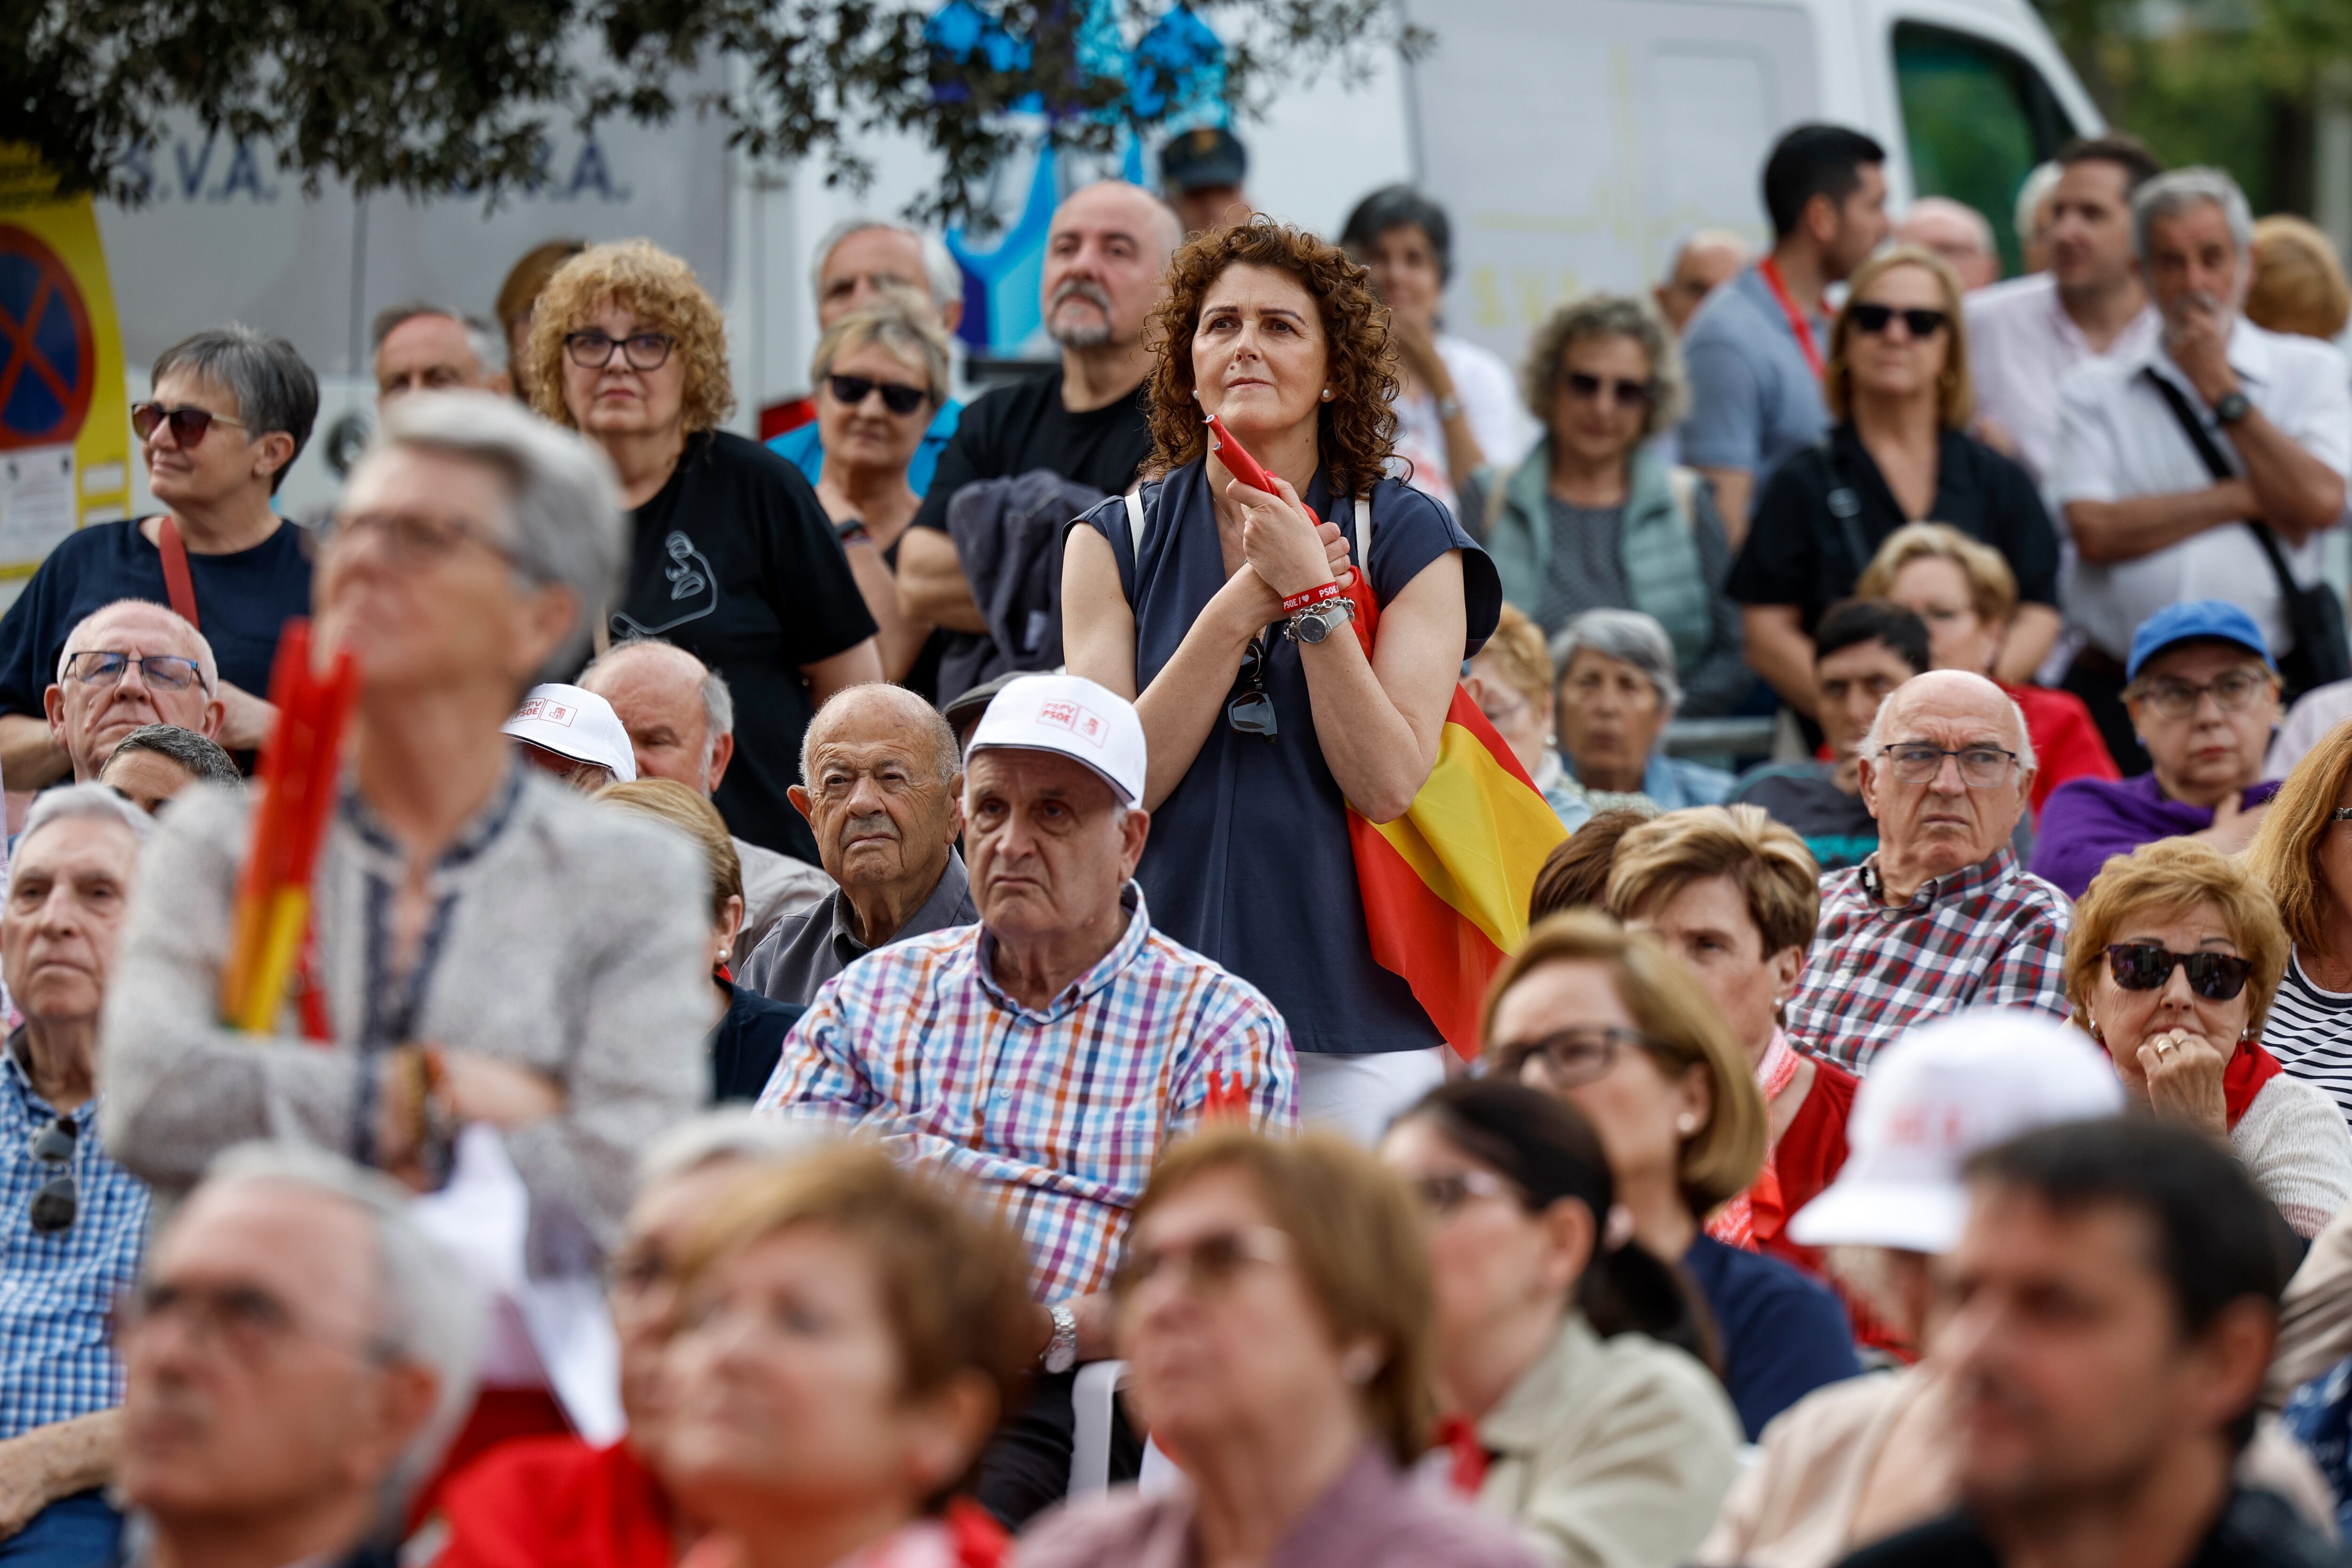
1938, 1095
1071, 717
576, 724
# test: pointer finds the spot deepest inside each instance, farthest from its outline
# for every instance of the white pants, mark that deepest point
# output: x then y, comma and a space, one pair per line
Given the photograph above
1359, 1095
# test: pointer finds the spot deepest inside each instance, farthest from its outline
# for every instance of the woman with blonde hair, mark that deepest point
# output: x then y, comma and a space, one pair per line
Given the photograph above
2175, 952
1898, 384
2302, 854
1610, 1021
2298, 283
1511, 680
1967, 595
732, 558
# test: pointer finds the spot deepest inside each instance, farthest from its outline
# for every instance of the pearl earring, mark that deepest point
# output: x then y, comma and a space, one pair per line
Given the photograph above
1687, 1123
1361, 1365
1327, 394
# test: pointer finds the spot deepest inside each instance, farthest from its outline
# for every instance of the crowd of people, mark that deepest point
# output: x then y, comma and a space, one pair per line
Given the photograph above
843, 1014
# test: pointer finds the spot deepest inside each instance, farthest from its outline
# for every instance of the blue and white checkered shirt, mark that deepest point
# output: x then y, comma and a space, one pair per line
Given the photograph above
56, 1289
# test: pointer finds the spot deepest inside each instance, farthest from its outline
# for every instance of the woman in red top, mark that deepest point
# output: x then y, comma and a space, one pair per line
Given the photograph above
1966, 593
1737, 894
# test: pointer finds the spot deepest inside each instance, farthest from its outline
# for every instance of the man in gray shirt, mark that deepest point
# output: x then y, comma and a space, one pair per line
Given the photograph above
881, 786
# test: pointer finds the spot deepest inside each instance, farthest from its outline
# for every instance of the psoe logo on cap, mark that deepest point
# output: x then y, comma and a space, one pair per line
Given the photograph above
548, 710
1078, 719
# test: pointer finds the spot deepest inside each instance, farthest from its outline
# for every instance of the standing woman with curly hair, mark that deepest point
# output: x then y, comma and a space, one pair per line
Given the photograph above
1265, 726
733, 559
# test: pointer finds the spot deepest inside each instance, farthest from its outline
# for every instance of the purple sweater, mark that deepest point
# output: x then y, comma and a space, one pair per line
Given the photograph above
2087, 820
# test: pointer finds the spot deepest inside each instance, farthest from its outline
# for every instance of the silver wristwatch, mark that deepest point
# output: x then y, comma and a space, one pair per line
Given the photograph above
1317, 621
1062, 1349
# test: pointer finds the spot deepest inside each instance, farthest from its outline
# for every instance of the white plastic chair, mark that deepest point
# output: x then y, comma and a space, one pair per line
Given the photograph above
1092, 1399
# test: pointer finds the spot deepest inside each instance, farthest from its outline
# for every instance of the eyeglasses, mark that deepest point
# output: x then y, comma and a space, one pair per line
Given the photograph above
1571, 1057
1876, 318
2145, 966
411, 538
644, 351
94, 667
1981, 767
1210, 1264
1252, 712
853, 390
188, 425
57, 1200
1444, 1196
1585, 388
2233, 692
249, 1321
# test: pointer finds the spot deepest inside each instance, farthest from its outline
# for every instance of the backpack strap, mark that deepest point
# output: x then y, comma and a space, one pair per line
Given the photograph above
1364, 540
177, 583
1683, 484
1135, 523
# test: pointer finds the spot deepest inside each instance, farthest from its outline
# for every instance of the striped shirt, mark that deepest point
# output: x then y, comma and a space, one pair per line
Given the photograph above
1987, 935
2310, 1032
58, 1288
1057, 1114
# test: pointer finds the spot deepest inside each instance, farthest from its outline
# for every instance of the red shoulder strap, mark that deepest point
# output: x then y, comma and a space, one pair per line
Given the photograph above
176, 580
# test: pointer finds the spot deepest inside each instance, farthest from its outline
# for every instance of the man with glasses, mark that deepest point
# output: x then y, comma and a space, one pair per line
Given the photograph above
1940, 916
231, 411
72, 1222
128, 665
2203, 695
297, 1359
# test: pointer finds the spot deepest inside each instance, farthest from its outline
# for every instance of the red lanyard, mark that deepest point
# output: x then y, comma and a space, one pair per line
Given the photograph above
1770, 270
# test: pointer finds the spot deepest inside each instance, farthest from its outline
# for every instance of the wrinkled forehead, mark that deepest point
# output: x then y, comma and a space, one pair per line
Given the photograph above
142, 629
1949, 719
405, 477
75, 843
303, 1246
1014, 773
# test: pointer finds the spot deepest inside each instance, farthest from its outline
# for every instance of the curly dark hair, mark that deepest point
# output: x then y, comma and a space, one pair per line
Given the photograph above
1357, 429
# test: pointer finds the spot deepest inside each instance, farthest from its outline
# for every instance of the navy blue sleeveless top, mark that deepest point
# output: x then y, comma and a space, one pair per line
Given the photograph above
1248, 860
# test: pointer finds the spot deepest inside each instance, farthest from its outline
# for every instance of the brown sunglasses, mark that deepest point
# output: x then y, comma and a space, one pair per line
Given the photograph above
188, 425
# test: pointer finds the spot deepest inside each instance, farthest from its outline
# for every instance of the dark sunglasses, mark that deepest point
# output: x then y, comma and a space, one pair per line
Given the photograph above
1873, 320
851, 390
1252, 712
188, 425
2144, 967
1629, 393
57, 1200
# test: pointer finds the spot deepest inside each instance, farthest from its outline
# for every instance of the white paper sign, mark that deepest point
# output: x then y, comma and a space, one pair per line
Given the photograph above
36, 501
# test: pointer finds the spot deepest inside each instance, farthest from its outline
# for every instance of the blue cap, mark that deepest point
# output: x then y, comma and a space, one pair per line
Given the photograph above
2192, 620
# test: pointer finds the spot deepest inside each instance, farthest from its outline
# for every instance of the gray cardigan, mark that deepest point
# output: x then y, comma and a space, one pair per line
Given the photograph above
576, 943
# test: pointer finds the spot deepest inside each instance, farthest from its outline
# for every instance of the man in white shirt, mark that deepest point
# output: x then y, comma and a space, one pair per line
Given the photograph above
2024, 335
2151, 525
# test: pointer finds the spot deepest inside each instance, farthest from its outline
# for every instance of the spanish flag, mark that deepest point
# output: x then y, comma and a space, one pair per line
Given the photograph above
1445, 886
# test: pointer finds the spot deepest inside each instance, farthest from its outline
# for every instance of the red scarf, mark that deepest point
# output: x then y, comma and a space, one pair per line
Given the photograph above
2248, 1069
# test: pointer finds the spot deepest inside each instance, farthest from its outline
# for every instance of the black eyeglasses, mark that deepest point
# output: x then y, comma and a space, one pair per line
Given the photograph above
644, 351
1875, 319
188, 425
1251, 711
1444, 1196
58, 1200
1570, 1057
1585, 388
2145, 966
95, 667
852, 390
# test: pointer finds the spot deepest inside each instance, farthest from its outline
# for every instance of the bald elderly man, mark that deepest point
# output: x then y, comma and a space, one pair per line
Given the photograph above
1702, 263
681, 717
881, 784
1956, 232
1940, 916
125, 665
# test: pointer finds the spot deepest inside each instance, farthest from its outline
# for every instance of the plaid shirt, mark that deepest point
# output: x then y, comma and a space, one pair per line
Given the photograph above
56, 1290
1058, 1112
1988, 935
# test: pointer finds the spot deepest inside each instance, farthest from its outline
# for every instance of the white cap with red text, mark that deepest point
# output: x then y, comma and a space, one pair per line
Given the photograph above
576, 724
1937, 1096
1072, 716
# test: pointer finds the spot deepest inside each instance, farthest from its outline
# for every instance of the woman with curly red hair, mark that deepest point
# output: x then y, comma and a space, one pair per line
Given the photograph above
1264, 718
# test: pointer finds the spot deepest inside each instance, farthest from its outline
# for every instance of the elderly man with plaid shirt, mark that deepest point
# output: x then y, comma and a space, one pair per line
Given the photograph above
1940, 916
1051, 1052
72, 1222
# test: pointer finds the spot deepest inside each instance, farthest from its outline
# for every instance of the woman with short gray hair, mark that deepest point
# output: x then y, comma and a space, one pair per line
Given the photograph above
1595, 518
232, 409
1616, 694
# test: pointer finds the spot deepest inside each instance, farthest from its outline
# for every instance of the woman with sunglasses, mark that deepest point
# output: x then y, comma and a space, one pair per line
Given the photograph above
1898, 384
1567, 1351
732, 558
1266, 719
2173, 961
1275, 1311
1611, 1022
880, 376
1594, 519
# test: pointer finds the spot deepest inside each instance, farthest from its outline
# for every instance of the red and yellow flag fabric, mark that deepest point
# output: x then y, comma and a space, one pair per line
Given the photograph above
1445, 886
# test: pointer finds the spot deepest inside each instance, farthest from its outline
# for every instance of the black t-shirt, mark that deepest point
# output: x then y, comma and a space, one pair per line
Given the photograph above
735, 562
1798, 551
2257, 1529
243, 600
1013, 430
